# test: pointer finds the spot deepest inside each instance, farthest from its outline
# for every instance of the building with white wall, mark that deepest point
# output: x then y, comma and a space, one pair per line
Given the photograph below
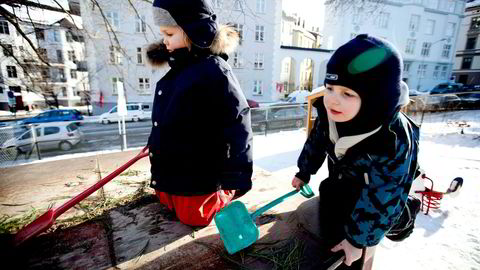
58, 38
466, 69
424, 31
115, 53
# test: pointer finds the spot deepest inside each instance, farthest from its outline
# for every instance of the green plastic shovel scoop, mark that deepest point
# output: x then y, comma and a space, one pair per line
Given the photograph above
237, 227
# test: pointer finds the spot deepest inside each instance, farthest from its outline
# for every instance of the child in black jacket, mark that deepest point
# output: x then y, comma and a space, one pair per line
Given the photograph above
201, 140
371, 147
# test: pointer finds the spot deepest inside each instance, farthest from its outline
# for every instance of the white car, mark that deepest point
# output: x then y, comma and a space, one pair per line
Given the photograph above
54, 135
135, 112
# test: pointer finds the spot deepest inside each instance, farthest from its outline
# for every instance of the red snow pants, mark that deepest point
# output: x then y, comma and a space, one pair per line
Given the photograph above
196, 210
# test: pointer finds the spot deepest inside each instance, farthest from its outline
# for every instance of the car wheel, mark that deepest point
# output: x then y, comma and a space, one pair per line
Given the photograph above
65, 146
299, 123
105, 121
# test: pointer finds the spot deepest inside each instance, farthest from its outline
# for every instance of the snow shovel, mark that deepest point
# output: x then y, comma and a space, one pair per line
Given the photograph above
237, 227
46, 220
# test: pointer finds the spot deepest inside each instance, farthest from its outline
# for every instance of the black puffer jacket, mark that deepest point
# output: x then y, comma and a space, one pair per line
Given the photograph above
201, 139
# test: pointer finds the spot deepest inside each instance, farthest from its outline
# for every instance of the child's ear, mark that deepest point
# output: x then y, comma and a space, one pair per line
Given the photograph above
157, 54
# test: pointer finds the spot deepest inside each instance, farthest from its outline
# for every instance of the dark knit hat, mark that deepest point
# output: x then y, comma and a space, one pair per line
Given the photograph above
195, 17
372, 67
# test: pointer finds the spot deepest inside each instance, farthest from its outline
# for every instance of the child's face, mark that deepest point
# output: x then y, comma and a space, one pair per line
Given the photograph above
173, 37
342, 103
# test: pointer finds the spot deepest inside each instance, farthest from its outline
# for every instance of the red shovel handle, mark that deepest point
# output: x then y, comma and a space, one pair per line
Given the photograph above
60, 210
46, 220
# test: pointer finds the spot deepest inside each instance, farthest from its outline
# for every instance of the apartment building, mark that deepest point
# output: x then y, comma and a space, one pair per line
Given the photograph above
58, 38
424, 31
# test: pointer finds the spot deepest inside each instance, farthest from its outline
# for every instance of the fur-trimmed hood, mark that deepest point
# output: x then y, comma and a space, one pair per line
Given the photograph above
225, 42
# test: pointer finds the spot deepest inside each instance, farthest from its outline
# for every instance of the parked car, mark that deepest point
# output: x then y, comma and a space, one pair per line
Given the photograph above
55, 116
48, 136
285, 117
445, 88
470, 100
135, 112
442, 102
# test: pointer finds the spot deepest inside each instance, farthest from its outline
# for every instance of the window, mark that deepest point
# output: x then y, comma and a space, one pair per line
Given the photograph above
73, 73
115, 55
430, 27
406, 67
116, 83
466, 62
286, 68
68, 36
410, 48
140, 25
450, 29
436, 71
4, 27
144, 85
237, 59
56, 35
382, 20
443, 75
11, 72
475, 23
59, 74
71, 56
261, 5
446, 50
59, 56
45, 73
64, 91
237, 5
8, 50
471, 41
422, 69
258, 64
51, 130
113, 20
217, 3
40, 34
356, 18
414, 23
257, 87
259, 33
139, 56
451, 5
239, 29
426, 48
1, 90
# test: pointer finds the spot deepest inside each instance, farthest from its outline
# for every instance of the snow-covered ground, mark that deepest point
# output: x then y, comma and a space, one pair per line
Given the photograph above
447, 238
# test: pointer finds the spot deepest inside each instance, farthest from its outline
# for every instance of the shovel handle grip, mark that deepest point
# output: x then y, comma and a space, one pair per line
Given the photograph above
60, 210
260, 211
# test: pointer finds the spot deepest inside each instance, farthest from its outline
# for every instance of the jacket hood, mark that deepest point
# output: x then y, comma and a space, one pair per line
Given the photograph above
224, 43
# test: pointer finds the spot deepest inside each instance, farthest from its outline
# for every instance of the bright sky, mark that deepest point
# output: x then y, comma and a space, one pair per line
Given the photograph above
311, 10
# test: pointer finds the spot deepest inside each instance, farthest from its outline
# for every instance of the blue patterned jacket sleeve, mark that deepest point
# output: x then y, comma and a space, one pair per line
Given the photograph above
313, 153
383, 197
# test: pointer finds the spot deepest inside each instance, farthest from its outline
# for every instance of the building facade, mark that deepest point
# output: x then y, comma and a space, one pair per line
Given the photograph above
424, 31
58, 38
116, 53
467, 57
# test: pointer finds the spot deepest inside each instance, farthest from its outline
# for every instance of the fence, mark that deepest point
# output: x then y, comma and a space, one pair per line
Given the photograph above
18, 144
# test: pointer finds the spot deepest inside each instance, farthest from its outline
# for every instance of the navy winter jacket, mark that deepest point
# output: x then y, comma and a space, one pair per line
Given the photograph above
378, 171
201, 139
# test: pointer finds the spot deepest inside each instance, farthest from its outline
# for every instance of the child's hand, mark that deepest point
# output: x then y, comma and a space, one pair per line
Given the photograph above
351, 253
297, 183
